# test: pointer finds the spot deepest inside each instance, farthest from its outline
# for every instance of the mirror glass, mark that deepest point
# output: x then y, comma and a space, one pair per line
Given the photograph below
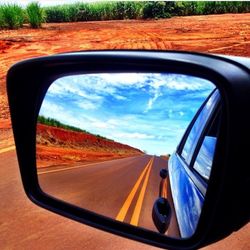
112, 143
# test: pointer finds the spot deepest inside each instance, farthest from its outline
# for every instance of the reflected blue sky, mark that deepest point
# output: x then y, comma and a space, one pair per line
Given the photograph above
146, 111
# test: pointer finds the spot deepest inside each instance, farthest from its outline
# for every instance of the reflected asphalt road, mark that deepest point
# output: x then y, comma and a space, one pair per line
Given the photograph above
124, 189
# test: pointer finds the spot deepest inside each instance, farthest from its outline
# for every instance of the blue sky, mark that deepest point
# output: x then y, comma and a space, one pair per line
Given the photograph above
147, 111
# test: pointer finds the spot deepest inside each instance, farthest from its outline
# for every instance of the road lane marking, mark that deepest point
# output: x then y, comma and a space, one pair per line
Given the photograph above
81, 166
3, 150
123, 211
163, 188
136, 214
62, 169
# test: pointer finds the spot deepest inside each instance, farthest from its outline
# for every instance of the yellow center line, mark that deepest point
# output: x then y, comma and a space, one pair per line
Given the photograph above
163, 188
123, 211
136, 214
3, 150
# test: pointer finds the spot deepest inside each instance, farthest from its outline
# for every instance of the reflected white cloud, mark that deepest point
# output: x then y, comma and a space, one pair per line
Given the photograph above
134, 136
50, 108
86, 104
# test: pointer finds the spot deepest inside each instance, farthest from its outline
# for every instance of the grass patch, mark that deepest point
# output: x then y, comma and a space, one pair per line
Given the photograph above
55, 123
121, 10
35, 14
11, 16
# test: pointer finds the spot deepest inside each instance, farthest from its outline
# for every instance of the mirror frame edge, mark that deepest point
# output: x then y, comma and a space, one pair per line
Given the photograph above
54, 67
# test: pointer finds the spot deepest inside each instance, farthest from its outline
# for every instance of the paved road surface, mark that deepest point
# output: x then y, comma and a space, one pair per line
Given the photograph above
23, 225
124, 189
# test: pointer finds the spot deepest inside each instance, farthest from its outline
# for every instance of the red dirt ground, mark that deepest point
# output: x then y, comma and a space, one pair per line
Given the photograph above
57, 146
222, 34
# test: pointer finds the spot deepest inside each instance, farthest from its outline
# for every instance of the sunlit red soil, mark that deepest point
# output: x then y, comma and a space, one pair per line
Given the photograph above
57, 146
222, 34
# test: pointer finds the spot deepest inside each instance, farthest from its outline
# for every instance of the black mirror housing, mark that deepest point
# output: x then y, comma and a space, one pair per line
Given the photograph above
161, 214
226, 207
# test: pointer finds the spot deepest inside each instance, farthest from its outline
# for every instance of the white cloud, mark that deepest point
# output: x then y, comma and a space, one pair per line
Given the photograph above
49, 109
123, 78
114, 122
100, 124
120, 97
68, 86
87, 105
134, 135
58, 112
152, 100
184, 82
182, 85
96, 124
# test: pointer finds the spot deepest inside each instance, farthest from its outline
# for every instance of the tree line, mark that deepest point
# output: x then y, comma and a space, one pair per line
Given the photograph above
13, 16
55, 123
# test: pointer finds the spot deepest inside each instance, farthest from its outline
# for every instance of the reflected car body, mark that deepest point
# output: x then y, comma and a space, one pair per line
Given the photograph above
190, 166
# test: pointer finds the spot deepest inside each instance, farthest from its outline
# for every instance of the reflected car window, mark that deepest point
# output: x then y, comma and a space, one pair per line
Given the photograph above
205, 157
198, 127
204, 160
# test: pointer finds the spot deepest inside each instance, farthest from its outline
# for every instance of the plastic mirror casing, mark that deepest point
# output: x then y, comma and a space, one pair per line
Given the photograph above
226, 206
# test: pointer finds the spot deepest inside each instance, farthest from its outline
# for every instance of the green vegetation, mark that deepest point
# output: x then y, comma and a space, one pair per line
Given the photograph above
99, 11
35, 15
55, 123
210, 7
13, 16
94, 11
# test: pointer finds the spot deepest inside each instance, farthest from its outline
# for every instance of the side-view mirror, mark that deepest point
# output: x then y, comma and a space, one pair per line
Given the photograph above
161, 214
147, 145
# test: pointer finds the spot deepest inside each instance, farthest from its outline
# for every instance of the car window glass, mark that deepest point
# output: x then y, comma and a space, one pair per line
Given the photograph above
204, 160
198, 127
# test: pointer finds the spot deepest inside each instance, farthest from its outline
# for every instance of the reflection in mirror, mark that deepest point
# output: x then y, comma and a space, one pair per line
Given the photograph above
104, 142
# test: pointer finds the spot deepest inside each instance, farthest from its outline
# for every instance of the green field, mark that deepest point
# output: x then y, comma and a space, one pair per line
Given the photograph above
12, 16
